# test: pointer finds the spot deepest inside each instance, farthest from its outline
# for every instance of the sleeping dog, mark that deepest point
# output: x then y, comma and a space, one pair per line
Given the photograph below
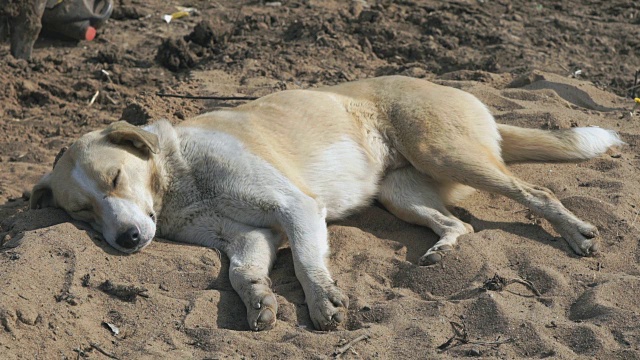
246, 180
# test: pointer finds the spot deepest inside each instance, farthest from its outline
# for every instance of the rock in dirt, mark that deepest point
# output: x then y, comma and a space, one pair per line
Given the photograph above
474, 352
109, 55
203, 34
28, 316
136, 114
175, 55
128, 293
128, 13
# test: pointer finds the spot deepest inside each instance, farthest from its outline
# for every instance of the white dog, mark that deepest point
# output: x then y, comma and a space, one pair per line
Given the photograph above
246, 180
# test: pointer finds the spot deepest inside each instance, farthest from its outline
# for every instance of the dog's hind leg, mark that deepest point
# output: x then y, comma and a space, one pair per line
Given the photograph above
478, 167
251, 253
416, 199
580, 235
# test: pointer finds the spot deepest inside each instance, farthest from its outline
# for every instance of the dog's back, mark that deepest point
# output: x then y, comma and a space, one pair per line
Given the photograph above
336, 143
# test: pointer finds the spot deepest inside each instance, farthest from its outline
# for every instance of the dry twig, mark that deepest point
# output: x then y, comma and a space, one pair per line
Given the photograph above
97, 347
207, 97
342, 349
460, 337
93, 99
498, 283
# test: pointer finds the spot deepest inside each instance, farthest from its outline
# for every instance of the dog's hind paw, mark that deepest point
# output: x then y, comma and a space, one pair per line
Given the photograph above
434, 255
328, 308
581, 237
262, 312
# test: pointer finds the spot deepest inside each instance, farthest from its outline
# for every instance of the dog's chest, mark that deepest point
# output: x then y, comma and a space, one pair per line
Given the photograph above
220, 182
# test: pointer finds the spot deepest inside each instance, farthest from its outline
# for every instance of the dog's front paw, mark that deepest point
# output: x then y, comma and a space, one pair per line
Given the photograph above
262, 312
328, 307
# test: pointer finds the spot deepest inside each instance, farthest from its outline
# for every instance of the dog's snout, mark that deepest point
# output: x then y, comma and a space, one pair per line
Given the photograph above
129, 239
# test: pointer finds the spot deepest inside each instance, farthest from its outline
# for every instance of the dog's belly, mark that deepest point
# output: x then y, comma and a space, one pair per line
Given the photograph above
345, 177
342, 177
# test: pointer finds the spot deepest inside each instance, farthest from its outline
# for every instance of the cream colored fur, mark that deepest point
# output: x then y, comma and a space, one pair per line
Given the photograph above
246, 180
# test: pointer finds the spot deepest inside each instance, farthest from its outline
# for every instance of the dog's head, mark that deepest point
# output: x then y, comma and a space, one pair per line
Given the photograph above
108, 179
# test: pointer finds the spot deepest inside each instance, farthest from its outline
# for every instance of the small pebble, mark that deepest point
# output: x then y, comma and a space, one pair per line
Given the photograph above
475, 352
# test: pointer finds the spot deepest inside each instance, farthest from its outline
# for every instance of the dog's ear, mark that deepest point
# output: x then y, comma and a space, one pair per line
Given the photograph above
41, 194
60, 153
123, 133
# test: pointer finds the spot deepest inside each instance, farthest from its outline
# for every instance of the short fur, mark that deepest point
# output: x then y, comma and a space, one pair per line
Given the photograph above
245, 180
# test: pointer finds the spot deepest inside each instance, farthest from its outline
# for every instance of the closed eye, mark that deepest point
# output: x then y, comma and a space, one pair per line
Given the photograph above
116, 179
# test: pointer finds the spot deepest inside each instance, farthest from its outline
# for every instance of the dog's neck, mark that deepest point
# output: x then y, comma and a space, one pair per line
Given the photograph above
166, 164
169, 194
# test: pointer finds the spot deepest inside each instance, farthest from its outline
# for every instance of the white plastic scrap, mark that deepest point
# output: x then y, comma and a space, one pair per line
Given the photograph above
114, 329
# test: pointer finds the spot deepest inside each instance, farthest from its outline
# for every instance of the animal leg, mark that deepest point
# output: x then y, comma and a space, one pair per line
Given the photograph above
303, 220
412, 197
579, 234
479, 168
252, 252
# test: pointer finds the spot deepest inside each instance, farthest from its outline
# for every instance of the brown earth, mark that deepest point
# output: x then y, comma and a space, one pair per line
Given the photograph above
61, 285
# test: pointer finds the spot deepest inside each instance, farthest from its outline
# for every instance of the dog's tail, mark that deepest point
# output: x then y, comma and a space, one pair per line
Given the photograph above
582, 143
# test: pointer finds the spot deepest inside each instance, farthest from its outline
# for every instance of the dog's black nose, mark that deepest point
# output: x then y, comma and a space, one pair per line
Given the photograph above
129, 239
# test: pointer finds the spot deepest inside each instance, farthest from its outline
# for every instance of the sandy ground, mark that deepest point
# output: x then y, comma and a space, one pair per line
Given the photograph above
60, 285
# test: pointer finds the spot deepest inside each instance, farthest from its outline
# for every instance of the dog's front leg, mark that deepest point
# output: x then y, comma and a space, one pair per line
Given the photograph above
251, 253
303, 220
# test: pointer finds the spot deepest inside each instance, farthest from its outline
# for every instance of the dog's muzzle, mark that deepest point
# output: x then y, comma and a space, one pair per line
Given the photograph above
130, 238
